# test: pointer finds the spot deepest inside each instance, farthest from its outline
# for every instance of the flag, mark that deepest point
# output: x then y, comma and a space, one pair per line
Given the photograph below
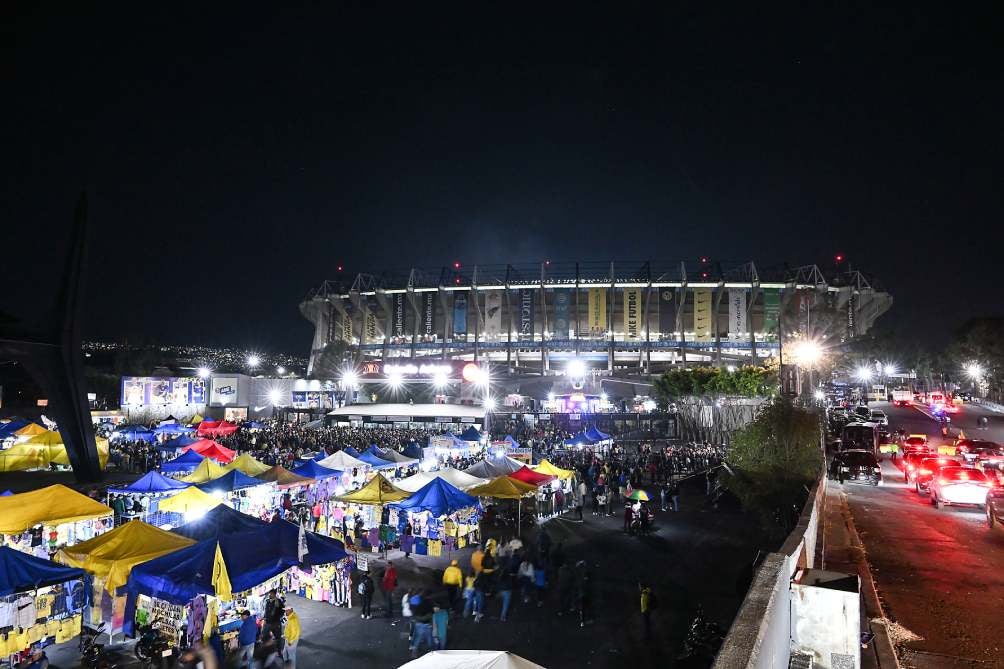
221, 579
301, 544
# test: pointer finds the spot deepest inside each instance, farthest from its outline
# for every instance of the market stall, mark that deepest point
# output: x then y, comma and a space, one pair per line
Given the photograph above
284, 479
505, 488
40, 603
41, 521
244, 493
183, 464
454, 477
315, 470
207, 470
148, 491
133, 433
219, 520
493, 467
247, 464
213, 428
44, 451
211, 449
342, 461
371, 525
171, 430
189, 504
441, 516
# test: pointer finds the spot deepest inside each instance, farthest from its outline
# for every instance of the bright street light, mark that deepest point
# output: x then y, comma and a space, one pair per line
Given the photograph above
490, 403
575, 368
864, 373
808, 353
280, 370
254, 360
275, 396
819, 395
974, 370
890, 369
204, 372
440, 380
394, 380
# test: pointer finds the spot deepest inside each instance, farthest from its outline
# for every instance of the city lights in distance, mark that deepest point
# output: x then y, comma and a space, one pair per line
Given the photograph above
974, 370
819, 395
280, 370
889, 369
808, 353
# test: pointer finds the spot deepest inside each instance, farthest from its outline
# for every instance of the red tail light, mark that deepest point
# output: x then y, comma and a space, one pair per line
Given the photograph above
925, 472
942, 481
910, 467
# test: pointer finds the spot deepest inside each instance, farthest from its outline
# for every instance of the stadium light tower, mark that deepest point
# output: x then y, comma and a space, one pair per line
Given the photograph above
275, 397
575, 368
864, 373
975, 371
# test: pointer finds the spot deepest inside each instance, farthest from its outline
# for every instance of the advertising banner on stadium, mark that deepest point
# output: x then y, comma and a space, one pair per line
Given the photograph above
313, 399
803, 312
460, 316
155, 390
526, 313
702, 314
562, 306
428, 315
347, 327
493, 315
399, 316
223, 390
771, 310
597, 312
738, 331
667, 313
632, 313
371, 328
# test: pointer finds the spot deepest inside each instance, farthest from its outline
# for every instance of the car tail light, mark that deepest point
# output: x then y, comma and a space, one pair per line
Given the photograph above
925, 472
910, 466
942, 481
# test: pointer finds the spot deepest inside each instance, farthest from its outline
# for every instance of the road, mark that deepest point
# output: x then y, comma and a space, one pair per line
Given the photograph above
939, 572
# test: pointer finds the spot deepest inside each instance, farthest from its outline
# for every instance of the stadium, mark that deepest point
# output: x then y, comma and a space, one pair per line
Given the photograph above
618, 317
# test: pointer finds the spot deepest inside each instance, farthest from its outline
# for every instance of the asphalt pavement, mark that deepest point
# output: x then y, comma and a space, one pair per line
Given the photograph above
939, 573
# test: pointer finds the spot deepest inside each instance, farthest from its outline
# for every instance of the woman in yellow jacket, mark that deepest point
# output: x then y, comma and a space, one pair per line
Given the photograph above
292, 636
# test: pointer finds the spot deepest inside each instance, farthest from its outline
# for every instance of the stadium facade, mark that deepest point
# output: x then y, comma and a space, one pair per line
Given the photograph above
620, 317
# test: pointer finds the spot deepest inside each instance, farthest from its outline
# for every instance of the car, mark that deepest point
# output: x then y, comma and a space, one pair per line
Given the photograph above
928, 468
910, 463
959, 485
915, 443
978, 449
995, 509
863, 412
964, 396
878, 416
855, 466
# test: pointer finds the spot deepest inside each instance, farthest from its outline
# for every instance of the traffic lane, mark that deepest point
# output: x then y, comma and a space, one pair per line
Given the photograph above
938, 572
913, 420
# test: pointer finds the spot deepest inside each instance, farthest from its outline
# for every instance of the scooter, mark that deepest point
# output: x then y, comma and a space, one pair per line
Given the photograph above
152, 648
93, 654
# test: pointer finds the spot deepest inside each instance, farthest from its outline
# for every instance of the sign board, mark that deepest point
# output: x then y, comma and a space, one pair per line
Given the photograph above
362, 562
162, 390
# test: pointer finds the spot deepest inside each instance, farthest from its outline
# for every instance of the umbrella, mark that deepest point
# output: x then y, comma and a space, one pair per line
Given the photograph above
639, 496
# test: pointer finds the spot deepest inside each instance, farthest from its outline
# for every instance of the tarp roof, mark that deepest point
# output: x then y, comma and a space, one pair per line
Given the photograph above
284, 478
459, 479
207, 470
150, 483
30, 430
545, 467
191, 500
230, 563
415, 482
579, 440
211, 449
348, 450
375, 462
218, 521
377, 491
438, 498
315, 470
112, 555
20, 572
503, 488
178, 442
471, 434
53, 505
595, 434
247, 464
413, 450
230, 481
9, 428
134, 433
41, 451
342, 461
490, 468
221, 428
527, 475
470, 659
173, 428
402, 460
185, 462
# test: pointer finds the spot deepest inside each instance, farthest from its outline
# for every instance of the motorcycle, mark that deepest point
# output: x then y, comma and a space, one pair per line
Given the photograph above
704, 638
152, 648
93, 654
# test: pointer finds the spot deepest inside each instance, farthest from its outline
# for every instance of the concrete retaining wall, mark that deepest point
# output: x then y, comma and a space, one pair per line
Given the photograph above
760, 636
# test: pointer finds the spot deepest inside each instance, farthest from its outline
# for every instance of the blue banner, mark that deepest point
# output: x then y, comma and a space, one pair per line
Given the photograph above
460, 315
526, 314
562, 300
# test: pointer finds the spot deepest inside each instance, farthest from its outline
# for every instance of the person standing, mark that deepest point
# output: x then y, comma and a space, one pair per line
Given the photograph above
292, 636
406, 544
646, 607
365, 590
504, 589
453, 579
422, 613
674, 495
246, 637
388, 584
274, 608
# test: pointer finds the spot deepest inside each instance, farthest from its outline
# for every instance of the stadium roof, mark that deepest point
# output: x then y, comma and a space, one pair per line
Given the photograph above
411, 410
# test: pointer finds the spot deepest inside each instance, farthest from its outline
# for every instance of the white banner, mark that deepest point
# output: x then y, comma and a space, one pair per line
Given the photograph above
493, 315
738, 330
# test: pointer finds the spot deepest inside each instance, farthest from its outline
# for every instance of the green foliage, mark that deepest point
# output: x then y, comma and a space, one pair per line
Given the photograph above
775, 458
747, 381
980, 341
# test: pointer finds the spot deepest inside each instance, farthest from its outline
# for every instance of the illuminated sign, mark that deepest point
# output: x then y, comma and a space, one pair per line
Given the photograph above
423, 369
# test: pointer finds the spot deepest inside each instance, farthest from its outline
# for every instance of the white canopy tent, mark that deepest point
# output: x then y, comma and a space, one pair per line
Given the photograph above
342, 461
470, 659
454, 477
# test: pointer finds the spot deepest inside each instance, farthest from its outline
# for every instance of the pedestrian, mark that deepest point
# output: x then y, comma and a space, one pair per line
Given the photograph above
274, 608
663, 494
246, 637
540, 582
674, 495
526, 578
453, 580
422, 613
596, 500
628, 517
407, 544
292, 636
646, 607
468, 595
365, 590
388, 584
504, 589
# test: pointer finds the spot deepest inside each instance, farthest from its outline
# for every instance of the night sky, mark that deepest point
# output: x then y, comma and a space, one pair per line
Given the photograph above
233, 157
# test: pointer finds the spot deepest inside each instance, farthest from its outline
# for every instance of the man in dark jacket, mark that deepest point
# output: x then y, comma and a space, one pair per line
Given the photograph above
422, 612
274, 607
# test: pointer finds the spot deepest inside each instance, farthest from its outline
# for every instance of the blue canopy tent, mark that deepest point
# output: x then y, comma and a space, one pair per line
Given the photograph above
413, 450
218, 521
177, 443
134, 433
6, 493
229, 482
312, 470
579, 440
185, 462
375, 462
173, 429
8, 429
594, 434
351, 451
152, 482
511, 440
471, 434
438, 498
253, 425
20, 572
377, 451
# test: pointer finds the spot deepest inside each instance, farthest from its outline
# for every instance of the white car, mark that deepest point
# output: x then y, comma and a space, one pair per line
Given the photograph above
959, 485
878, 416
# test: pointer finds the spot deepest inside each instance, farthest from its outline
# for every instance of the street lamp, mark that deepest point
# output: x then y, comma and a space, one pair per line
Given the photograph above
204, 372
280, 370
889, 369
575, 368
253, 361
975, 371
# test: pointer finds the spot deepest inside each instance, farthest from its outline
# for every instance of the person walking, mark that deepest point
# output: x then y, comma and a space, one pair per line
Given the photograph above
422, 613
274, 608
453, 580
646, 607
365, 590
526, 578
628, 517
388, 584
292, 636
504, 590
246, 637
674, 495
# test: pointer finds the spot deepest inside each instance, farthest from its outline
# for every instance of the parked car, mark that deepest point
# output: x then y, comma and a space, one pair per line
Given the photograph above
855, 466
976, 449
959, 485
995, 509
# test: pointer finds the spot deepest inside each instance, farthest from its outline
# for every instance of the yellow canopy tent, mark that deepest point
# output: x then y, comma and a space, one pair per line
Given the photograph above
284, 478
378, 491
196, 419
545, 467
54, 505
189, 500
503, 487
112, 555
40, 450
31, 430
207, 470
247, 464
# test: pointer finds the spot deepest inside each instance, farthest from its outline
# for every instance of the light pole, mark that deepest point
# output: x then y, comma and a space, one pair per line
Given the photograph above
864, 375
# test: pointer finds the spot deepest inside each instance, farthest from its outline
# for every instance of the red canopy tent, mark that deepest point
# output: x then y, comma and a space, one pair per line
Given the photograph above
527, 475
210, 449
212, 428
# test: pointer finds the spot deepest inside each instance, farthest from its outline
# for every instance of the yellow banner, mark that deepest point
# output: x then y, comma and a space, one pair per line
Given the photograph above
702, 314
346, 328
632, 313
597, 312
371, 329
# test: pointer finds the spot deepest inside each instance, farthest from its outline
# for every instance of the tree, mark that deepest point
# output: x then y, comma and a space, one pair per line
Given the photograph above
980, 341
775, 459
331, 363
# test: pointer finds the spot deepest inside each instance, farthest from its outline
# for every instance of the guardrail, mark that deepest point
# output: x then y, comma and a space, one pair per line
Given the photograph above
760, 635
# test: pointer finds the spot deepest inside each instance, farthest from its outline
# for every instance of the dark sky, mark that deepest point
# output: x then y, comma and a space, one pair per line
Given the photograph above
233, 157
